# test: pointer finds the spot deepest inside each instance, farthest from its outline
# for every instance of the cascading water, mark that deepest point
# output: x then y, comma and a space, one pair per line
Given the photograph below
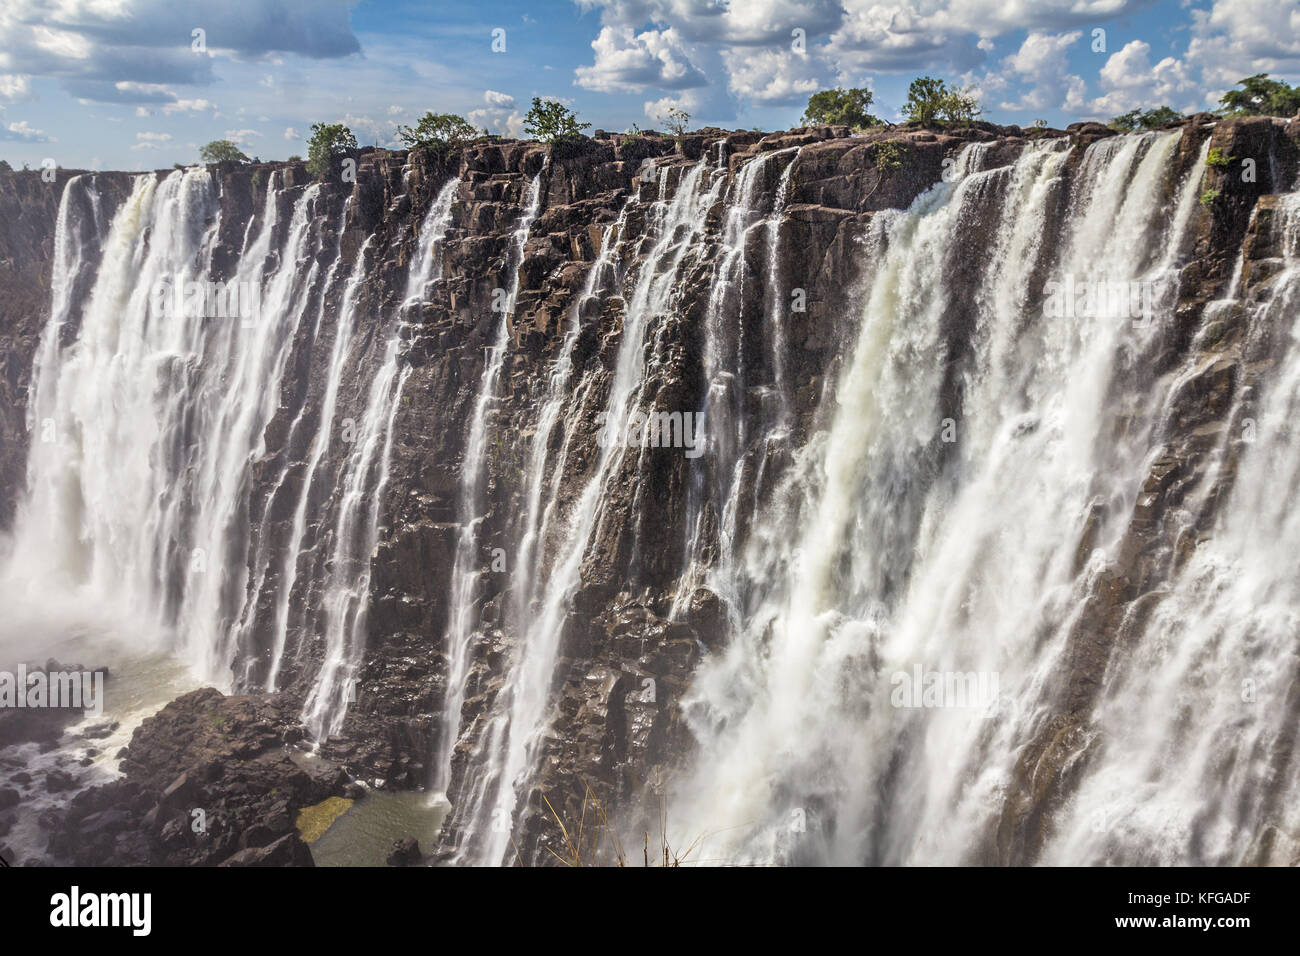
465, 571
138, 499
364, 478
508, 745
739, 431
347, 590
1211, 778
149, 412
215, 486
938, 518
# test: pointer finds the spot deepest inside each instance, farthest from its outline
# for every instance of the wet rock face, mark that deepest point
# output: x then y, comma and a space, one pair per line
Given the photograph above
617, 731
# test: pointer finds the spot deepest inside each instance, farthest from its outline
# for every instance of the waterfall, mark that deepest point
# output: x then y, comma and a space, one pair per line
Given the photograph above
461, 618
153, 392
938, 516
923, 511
1211, 777
737, 429
346, 594
508, 746
149, 420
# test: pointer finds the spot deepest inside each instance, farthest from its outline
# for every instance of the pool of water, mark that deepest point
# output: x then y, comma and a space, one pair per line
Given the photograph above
365, 834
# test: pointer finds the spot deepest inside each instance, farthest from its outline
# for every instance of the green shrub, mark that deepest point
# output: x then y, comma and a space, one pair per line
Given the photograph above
1135, 120
328, 141
1216, 157
889, 156
222, 151
930, 100
1261, 96
439, 132
552, 122
840, 107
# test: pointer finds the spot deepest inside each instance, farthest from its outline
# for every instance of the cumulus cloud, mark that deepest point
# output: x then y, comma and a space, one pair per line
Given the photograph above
91, 46
499, 115
1130, 81
150, 141
628, 62
771, 77
22, 132
776, 52
14, 88
1040, 69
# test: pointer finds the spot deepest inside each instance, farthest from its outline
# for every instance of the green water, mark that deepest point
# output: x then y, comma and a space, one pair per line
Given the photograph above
365, 834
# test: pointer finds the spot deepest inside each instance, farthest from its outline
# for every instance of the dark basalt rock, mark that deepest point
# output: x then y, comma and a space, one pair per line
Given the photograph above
207, 780
405, 852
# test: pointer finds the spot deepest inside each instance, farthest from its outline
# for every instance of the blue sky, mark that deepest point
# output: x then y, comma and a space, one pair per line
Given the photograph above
127, 84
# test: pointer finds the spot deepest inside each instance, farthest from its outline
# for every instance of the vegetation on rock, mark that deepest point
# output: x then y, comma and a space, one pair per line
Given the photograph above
552, 122
328, 141
222, 151
439, 132
841, 107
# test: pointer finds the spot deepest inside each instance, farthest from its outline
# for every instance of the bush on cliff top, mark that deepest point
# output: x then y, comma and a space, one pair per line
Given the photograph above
328, 140
1135, 120
840, 107
222, 151
931, 101
552, 122
439, 132
1260, 96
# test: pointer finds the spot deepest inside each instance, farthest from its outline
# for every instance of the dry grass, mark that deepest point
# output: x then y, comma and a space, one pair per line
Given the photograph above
595, 843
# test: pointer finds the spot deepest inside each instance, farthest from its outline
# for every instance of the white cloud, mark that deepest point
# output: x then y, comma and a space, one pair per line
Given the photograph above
771, 77
290, 133
14, 88
240, 136
1040, 70
22, 131
91, 46
1130, 81
499, 116
629, 62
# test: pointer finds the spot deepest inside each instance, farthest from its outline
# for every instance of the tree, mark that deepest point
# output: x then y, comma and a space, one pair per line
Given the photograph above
959, 106
437, 131
840, 107
328, 141
552, 122
676, 121
1260, 96
930, 100
1135, 120
5, 167
222, 151
295, 158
